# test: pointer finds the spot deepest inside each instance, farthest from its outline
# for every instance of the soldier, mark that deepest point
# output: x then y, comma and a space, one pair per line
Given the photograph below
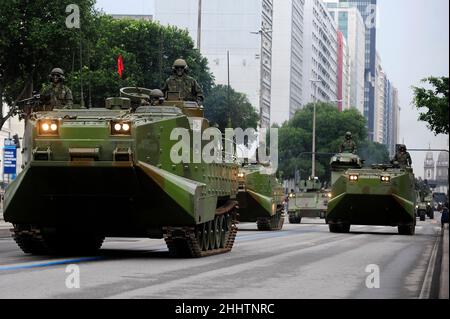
348, 146
156, 97
57, 95
180, 82
402, 157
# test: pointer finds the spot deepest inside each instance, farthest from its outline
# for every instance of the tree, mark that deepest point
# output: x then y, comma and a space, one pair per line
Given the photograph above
33, 39
436, 101
238, 112
295, 140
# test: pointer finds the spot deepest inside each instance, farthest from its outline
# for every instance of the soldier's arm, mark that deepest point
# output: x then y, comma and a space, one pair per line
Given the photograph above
69, 99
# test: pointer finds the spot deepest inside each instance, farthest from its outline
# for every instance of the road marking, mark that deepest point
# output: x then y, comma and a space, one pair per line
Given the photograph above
426, 286
50, 263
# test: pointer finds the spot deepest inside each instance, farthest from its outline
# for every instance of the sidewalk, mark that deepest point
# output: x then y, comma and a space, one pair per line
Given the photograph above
444, 279
4, 227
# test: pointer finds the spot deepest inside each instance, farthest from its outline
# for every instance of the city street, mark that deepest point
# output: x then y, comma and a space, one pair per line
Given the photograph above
301, 261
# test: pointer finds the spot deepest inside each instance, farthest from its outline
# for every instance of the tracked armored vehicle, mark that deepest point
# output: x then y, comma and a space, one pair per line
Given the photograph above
96, 173
260, 198
381, 195
311, 201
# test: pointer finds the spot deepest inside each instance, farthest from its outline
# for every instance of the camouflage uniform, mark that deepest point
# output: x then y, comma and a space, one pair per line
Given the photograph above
188, 87
60, 96
348, 147
403, 159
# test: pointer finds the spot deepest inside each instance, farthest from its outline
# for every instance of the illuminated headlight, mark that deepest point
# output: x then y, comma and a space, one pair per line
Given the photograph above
241, 175
120, 128
329, 195
385, 179
291, 195
48, 127
429, 204
353, 178
417, 206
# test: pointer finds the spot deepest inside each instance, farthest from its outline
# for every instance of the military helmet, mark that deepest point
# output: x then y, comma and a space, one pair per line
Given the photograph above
403, 147
57, 71
180, 63
156, 93
348, 134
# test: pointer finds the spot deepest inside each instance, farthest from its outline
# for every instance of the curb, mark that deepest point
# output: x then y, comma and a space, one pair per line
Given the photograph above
444, 279
5, 233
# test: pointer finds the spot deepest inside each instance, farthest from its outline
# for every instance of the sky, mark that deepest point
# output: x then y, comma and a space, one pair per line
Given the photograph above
413, 42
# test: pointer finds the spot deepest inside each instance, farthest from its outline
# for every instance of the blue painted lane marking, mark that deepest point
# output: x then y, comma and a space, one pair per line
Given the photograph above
51, 263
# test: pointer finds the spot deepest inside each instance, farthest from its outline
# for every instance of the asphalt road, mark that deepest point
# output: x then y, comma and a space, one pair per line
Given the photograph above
300, 262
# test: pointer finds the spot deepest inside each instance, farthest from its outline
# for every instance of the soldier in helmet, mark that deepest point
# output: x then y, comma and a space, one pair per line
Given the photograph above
402, 157
180, 82
348, 146
57, 95
156, 97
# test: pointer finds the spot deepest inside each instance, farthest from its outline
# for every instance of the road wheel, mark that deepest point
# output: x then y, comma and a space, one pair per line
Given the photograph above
205, 239
222, 231
294, 219
217, 232
422, 216
339, 228
432, 215
212, 237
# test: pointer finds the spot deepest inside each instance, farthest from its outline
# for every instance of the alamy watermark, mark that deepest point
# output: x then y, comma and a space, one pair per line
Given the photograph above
373, 280
236, 145
73, 279
73, 19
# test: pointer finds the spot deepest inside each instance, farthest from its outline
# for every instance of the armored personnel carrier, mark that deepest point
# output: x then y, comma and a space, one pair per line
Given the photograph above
260, 198
93, 173
380, 195
311, 201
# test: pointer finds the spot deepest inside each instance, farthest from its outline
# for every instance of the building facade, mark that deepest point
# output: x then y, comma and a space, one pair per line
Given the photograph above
351, 24
287, 66
320, 54
380, 112
242, 28
368, 11
343, 73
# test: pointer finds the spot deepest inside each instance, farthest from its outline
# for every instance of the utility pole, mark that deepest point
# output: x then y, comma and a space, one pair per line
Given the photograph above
199, 27
313, 169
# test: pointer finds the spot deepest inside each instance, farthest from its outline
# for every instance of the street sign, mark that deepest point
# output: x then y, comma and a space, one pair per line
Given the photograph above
9, 158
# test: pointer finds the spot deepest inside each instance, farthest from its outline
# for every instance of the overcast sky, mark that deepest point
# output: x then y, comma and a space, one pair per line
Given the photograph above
413, 42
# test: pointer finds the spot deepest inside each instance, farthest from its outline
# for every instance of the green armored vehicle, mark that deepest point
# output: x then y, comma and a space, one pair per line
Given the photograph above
117, 172
382, 195
311, 201
260, 198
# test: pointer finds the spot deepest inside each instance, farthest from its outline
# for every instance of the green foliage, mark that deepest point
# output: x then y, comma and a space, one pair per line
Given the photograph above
436, 101
237, 113
34, 39
295, 140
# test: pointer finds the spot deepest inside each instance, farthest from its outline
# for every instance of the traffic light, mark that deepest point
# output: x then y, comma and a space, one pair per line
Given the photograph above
16, 140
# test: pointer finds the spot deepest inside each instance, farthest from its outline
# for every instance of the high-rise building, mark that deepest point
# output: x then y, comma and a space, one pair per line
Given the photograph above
242, 28
351, 24
368, 10
343, 73
133, 17
428, 167
320, 54
380, 93
287, 65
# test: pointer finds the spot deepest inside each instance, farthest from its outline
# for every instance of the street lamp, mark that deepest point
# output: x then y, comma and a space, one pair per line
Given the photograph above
313, 169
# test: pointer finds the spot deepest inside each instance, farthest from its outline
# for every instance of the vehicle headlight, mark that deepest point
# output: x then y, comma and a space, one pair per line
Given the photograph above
385, 179
353, 178
120, 128
291, 195
329, 195
48, 127
417, 206
241, 175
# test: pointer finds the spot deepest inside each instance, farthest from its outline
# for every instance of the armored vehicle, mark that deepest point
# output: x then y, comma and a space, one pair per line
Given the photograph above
121, 172
381, 195
260, 198
311, 201
423, 207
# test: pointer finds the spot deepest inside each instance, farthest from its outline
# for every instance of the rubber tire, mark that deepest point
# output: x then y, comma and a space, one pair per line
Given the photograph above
339, 228
407, 230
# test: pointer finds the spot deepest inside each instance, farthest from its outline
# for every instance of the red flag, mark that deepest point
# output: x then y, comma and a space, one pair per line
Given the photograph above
120, 66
